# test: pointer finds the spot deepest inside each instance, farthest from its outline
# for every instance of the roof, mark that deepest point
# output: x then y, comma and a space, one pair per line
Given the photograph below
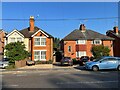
111, 31
87, 35
27, 33
13, 32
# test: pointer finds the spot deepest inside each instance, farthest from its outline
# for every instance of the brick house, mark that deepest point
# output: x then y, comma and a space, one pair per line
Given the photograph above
80, 41
2, 41
115, 33
38, 42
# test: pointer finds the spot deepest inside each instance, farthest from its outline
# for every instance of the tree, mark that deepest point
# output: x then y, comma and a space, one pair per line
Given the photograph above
56, 43
16, 51
100, 50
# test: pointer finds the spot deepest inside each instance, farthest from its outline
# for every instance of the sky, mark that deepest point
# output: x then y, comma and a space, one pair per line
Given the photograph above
73, 11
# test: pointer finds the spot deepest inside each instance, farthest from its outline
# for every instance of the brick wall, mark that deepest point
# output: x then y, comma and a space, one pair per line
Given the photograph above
86, 48
20, 63
71, 54
2, 34
48, 47
116, 45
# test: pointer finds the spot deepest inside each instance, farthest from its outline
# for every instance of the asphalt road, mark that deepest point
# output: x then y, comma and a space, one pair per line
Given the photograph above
61, 78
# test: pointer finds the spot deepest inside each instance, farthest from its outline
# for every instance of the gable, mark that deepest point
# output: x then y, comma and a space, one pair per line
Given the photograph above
15, 33
40, 33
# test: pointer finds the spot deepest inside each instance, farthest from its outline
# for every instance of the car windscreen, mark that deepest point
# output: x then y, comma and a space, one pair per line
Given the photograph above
96, 60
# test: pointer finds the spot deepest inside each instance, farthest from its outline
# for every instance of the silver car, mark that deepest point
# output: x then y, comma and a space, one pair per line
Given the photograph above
4, 63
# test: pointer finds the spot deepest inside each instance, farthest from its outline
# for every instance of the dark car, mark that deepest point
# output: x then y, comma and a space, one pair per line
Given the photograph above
66, 61
83, 60
30, 62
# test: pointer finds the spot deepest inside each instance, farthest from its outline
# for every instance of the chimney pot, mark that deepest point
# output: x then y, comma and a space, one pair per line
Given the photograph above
115, 30
82, 27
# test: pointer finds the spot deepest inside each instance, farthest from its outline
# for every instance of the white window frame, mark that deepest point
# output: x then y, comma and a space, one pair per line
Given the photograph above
11, 39
20, 39
94, 42
40, 56
81, 42
80, 53
40, 41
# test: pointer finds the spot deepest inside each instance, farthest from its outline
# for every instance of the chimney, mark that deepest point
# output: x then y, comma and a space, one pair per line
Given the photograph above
32, 23
115, 30
82, 28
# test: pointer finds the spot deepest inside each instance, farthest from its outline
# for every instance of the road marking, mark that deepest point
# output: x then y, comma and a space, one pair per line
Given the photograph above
104, 72
92, 82
14, 85
21, 75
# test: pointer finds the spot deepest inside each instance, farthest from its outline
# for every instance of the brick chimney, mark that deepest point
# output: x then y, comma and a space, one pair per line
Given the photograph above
32, 23
115, 30
82, 28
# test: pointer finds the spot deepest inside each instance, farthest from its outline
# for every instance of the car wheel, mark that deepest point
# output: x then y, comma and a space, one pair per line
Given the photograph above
95, 68
118, 68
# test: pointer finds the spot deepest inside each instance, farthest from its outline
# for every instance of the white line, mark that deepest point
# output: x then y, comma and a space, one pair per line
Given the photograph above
14, 85
92, 82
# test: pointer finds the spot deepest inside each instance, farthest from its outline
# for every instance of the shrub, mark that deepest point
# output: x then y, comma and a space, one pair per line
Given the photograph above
100, 50
75, 61
10, 66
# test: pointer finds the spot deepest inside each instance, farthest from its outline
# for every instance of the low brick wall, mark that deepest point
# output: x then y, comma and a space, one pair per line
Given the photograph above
39, 66
20, 63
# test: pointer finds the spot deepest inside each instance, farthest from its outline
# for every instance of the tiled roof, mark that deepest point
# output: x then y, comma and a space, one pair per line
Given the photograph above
27, 33
87, 35
111, 31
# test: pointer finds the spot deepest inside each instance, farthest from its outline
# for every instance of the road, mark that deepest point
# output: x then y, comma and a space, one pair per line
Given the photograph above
61, 78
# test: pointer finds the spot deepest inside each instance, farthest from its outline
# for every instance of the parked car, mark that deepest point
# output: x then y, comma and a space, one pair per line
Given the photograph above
66, 60
83, 60
30, 62
4, 62
104, 63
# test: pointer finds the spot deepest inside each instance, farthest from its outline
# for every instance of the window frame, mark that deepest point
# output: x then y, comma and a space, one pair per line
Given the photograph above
94, 42
11, 39
69, 49
40, 55
40, 39
78, 53
80, 41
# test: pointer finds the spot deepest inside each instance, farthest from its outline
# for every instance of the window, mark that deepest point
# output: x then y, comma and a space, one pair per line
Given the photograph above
43, 54
80, 53
37, 41
37, 55
43, 41
96, 42
40, 41
80, 41
40, 55
19, 39
12, 39
69, 48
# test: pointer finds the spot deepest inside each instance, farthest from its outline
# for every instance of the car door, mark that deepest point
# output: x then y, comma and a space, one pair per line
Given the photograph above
112, 63
103, 64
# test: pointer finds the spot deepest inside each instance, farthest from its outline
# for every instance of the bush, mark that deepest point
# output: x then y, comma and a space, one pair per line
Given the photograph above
11, 66
75, 61
100, 50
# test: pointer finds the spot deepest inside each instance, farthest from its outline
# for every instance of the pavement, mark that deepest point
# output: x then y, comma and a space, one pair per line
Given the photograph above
40, 67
